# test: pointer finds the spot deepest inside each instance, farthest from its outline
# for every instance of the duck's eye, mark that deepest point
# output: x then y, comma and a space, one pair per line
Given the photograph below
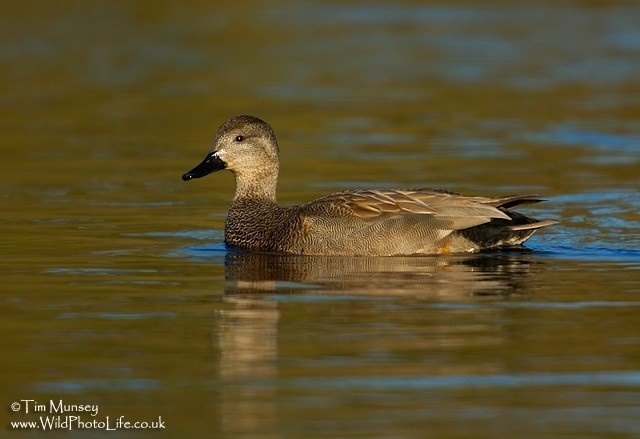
239, 139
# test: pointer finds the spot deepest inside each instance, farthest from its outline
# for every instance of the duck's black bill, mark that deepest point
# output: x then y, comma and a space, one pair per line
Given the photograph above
211, 163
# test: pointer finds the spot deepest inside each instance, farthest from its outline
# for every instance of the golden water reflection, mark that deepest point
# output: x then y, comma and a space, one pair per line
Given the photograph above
248, 328
435, 277
248, 343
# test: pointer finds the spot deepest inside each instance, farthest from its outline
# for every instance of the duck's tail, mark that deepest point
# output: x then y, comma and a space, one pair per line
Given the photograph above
507, 232
533, 226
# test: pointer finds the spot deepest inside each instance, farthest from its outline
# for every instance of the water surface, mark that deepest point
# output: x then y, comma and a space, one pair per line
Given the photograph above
118, 291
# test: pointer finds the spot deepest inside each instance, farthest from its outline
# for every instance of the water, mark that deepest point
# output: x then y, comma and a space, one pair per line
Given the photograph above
117, 290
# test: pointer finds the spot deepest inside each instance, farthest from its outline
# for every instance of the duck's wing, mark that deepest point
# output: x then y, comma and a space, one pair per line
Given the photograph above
458, 211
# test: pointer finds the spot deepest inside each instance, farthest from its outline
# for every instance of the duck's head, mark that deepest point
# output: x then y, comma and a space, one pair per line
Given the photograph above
245, 145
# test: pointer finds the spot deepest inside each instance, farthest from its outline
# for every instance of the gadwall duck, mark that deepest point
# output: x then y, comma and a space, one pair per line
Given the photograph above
355, 222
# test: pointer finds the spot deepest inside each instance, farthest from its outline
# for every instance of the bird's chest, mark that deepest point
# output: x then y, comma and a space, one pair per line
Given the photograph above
254, 227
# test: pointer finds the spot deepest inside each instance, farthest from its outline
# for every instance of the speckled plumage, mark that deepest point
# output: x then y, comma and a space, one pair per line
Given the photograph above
359, 222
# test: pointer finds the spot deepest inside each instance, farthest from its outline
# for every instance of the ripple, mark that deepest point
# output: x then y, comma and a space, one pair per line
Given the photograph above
600, 379
204, 252
118, 316
200, 234
82, 386
97, 271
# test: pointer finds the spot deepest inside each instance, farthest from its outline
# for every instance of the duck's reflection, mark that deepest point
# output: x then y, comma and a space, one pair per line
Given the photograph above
247, 339
247, 334
438, 277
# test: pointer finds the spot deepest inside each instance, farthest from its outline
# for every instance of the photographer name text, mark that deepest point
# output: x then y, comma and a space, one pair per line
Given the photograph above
60, 415
33, 406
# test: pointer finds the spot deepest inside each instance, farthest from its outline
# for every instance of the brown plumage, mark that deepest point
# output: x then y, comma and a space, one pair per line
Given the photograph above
358, 222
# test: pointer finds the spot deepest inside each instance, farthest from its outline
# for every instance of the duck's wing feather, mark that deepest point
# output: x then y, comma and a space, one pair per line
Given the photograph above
377, 205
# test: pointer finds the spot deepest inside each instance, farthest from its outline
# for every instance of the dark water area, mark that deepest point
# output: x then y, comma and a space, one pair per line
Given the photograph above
117, 290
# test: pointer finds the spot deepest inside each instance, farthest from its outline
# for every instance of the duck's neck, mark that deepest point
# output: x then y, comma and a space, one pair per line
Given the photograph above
258, 187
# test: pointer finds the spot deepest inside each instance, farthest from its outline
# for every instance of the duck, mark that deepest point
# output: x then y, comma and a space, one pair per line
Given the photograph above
362, 222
